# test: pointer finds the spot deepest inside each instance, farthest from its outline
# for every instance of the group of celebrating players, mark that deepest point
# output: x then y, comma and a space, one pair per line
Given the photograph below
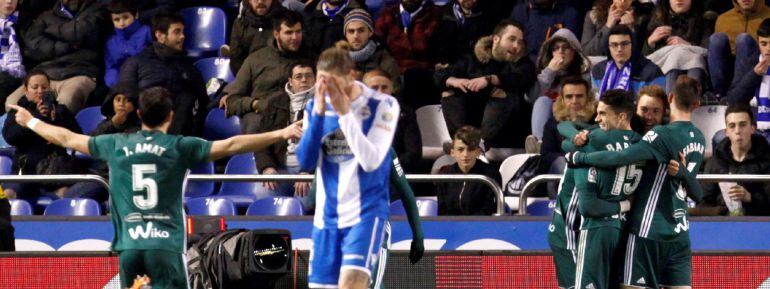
621, 214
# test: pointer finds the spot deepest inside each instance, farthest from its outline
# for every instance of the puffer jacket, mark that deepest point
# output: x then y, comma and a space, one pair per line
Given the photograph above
467, 198
320, 31
250, 33
65, 46
462, 35
737, 21
123, 44
548, 80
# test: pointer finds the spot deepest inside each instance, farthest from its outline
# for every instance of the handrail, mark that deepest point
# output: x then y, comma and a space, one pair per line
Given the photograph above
421, 178
710, 178
54, 179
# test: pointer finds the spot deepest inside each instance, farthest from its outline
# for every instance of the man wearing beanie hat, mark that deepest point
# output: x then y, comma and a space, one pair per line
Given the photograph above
367, 53
324, 25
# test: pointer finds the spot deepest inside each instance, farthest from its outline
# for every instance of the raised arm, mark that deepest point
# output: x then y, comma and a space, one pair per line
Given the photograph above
57, 135
608, 159
252, 142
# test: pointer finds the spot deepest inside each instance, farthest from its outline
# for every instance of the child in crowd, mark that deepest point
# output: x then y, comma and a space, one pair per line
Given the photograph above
129, 39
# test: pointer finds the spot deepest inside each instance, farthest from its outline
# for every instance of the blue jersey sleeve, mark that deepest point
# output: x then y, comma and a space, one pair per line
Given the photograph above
309, 146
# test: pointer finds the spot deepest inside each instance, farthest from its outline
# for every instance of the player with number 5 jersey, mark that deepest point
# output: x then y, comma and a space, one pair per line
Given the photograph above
148, 171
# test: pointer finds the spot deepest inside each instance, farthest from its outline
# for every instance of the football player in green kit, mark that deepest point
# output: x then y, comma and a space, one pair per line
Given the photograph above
147, 175
658, 247
602, 194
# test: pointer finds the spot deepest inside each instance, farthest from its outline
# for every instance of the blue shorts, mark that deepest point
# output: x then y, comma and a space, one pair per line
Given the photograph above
353, 248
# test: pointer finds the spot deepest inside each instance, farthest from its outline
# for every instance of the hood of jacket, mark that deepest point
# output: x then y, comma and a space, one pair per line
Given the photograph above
544, 56
760, 151
129, 90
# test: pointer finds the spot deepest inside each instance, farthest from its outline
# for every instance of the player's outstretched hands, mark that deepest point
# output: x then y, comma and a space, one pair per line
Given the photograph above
417, 249
22, 114
293, 131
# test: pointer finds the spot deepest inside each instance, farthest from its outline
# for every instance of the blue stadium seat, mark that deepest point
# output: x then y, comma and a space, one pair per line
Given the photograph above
5, 148
242, 193
276, 206
205, 30
20, 207
89, 118
426, 207
541, 208
73, 207
215, 67
211, 207
218, 127
6, 164
200, 189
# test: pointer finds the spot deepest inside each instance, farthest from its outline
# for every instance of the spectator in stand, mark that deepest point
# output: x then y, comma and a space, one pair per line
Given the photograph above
467, 198
407, 142
607, 14
742, 152
462, 23
252, 30
367, 53
67, 43
625, 68
279, 110
574, 103
487, 88
34, 155
324, 27
651, 109
165, 64
754, 86
11, 68
677, 41
560, 57
119, 108
264, 72
409, 31
541, 18
733, 47
149, 8
129, 39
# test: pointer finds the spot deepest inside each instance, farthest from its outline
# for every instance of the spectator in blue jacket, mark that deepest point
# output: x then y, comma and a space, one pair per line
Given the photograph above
625, 68
129, 39
541, 18
11, 69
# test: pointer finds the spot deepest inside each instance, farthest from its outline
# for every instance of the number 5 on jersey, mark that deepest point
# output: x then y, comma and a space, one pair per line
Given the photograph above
141, 183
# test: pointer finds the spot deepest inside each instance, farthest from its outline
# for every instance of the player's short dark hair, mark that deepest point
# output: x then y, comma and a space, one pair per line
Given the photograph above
574, 80
620, 100
686, 93
34, 72
123, 6
764, 28
470, 136
498, 31
162, 21
286, 17
741, 108
154, 106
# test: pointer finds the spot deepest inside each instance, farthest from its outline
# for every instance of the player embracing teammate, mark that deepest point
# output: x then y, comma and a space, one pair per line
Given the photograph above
656, 173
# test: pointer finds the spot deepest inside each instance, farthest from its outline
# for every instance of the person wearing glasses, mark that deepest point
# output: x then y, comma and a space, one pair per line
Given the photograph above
625, 68
278, 110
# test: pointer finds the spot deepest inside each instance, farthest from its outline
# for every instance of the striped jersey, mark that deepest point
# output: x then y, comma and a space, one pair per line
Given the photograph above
659, 211
348, 153
562, 232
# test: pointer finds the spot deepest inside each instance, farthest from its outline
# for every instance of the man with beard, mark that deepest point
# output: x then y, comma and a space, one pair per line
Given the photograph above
266, 70
252, 30
462, 23
365, 52
486, 88
66, 42
323, 27
165, 64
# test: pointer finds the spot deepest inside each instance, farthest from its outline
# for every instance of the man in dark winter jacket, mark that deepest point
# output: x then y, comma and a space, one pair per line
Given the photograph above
252, 30
541, 18
66, 43
462, 23
467, 198
742, 152
488, 87
753, 85
408, 30
323, 27
165, 64
626, 68
266, 71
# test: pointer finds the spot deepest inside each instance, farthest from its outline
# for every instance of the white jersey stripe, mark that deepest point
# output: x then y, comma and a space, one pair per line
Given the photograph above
569, 226
629, 259
581, 258
649, 209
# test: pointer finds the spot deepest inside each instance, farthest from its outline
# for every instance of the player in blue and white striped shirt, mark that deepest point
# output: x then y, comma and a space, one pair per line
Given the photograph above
347, 136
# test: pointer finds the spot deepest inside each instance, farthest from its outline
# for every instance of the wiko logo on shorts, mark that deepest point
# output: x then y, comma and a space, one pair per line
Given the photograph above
147, 232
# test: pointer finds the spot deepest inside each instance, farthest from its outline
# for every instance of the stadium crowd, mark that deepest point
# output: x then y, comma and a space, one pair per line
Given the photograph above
497, 68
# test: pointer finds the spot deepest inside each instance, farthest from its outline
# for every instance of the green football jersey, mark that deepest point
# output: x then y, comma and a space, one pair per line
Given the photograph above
148, 170
565, 219
600, 189
659, 211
